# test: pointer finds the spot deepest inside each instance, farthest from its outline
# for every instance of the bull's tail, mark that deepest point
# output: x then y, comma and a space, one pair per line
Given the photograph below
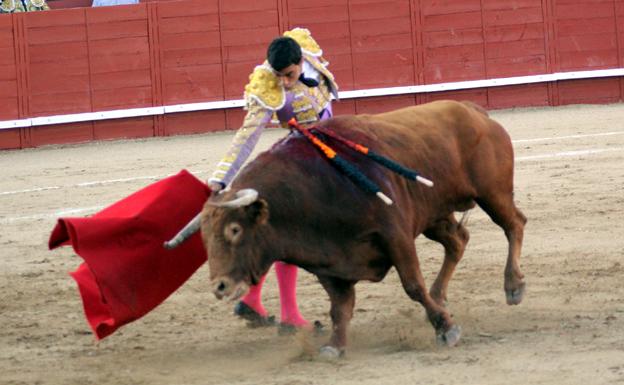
475, 106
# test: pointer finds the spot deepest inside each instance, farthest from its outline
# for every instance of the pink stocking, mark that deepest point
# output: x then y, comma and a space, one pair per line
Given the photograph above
253, 299
287, 281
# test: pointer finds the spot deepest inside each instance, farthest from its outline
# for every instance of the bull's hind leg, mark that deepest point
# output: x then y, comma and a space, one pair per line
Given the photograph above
407, 265
342, 296
504, 213
454, 237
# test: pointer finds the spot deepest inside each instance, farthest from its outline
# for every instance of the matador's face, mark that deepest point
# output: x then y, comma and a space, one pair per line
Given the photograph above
290, 75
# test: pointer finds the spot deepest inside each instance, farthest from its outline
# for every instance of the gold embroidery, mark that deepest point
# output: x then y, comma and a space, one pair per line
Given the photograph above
300, 104
265, 87
254, 117
7, 6
308, 115
303, 37
38, 3
11, 6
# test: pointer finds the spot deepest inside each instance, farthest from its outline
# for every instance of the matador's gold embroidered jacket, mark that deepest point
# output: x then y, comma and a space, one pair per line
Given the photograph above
12, 6
265, 96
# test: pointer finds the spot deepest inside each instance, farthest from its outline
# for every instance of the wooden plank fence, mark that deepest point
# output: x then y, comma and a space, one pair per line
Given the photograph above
161, 53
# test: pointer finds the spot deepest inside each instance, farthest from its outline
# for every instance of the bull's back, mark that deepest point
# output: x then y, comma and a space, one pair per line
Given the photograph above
450, 142
434, 133
455, 144
463, 123
458, 133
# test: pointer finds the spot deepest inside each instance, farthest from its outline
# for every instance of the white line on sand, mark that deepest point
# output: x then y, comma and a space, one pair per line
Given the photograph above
94, 183
88, 210
55, 214
568, 154
157, 177
557, 138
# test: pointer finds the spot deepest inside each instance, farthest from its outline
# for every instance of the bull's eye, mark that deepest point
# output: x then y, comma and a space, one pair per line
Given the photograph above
233, 232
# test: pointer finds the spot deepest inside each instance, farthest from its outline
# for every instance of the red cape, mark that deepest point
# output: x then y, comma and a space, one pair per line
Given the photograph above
126, 271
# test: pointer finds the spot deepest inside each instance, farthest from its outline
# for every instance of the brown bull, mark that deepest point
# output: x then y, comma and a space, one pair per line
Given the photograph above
292, 205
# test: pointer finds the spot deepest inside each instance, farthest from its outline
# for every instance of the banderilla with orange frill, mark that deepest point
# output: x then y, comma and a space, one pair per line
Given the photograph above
351, 171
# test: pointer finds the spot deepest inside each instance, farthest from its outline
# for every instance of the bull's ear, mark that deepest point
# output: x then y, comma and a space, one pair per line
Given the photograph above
258, 211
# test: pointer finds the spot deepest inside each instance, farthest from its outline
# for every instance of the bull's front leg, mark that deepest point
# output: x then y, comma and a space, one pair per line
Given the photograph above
342, 296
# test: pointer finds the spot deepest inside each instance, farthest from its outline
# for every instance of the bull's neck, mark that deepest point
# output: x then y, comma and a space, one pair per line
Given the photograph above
296, 246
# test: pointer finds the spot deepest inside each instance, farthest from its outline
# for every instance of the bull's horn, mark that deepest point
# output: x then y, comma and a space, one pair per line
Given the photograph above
188, 230
244, 197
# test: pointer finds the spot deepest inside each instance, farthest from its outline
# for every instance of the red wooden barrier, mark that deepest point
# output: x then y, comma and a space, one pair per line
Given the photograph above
173, 52
587, 39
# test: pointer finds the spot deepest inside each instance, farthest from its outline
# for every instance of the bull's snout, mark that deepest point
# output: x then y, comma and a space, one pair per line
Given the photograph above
226, 288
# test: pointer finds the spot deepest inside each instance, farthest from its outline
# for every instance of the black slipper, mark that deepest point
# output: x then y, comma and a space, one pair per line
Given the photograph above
253, 318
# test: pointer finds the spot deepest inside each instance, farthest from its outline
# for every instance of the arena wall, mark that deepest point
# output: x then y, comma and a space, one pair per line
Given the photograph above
142, 63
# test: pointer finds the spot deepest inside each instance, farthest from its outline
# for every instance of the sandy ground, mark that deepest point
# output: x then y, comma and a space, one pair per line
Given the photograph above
569, 329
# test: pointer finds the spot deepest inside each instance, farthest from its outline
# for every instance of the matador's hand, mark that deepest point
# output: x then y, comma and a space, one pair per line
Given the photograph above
215, 186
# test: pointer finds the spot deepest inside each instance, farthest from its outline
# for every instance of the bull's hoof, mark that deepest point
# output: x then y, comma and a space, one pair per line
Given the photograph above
450, 337
514, 297
330, 353
254, 320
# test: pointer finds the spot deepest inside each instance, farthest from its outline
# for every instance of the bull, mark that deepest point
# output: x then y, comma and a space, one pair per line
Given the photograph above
290, 204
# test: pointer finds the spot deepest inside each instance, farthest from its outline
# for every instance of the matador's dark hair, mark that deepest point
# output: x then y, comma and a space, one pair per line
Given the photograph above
283, 52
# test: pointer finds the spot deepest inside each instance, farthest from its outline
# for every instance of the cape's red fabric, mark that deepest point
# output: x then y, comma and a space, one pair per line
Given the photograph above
126, 271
